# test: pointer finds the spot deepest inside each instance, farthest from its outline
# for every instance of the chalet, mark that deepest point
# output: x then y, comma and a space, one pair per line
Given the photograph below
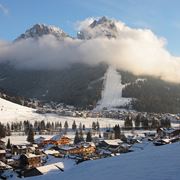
28, 161
4, 166
170, 133
160, 142
36, 171
114, 146
81, 149
6, 171
19, 149
2, 145
52, 152
109, 134
2, 155
58, 140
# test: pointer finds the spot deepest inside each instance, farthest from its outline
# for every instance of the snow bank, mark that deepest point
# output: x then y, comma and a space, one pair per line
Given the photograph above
153, 163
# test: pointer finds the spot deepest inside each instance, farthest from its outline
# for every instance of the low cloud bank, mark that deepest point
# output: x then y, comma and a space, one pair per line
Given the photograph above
139, 51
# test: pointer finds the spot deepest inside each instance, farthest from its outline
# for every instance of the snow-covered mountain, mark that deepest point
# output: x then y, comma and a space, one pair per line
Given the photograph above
39, 30
102, 27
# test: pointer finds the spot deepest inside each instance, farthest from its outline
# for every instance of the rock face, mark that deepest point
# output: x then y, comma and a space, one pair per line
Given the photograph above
38, 30
99, 28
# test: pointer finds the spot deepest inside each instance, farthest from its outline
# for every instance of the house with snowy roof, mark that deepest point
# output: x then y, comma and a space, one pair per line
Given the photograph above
168, 132
29, 160
47, 169
80, 149
2, 144
58, 140
6, 171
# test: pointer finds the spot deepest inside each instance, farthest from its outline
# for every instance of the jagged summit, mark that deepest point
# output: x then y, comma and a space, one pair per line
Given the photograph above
103, 27
39, 30
103, 21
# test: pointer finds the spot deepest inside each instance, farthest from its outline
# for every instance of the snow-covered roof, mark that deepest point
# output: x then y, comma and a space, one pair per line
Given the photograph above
39, 140
169, 131
29, 155
56, 137
51, 151
51, 168
4, 166
113, 142
66, 148
2, 151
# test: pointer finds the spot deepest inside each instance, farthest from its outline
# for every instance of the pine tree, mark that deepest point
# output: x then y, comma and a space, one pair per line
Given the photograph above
74, 126
155, 123
128, 123
89, 137
60, 127
76, 138
145, 123
93, 126
117, 132
97, 126
8, 146
81, 138
137, 121
42, 125
2, 131
8, 130
65, 127
80, 126
84, 127
30, 137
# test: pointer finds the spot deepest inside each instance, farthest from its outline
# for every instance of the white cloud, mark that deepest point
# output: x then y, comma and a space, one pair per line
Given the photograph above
139, 51
79, 25
4, 10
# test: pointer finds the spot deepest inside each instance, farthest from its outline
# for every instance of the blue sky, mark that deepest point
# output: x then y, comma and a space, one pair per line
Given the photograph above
161, 16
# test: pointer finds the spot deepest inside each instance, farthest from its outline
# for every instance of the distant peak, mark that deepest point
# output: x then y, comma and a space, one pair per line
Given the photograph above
102, 27
39, 30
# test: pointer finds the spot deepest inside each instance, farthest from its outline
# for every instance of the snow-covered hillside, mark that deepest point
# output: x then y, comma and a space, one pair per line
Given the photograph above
11, 112
152, 163
112, 93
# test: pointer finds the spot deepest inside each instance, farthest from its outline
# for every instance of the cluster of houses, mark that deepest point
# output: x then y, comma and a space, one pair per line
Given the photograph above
166, 136
25, 160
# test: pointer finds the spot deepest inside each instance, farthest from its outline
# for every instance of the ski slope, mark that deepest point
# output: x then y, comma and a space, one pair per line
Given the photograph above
152, 163
11, 112
112, 93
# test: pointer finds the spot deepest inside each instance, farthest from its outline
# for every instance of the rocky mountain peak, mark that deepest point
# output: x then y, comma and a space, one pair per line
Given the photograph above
39, 30
103, 27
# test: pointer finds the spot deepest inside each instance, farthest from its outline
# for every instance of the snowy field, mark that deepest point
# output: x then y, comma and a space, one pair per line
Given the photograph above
11, 112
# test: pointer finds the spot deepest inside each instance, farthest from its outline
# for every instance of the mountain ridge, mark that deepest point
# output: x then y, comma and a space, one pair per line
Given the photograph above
38, 30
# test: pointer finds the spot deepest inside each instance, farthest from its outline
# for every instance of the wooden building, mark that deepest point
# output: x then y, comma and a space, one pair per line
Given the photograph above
2, 144
2, 155
28, 161
58, 140
83, 149
109, 134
